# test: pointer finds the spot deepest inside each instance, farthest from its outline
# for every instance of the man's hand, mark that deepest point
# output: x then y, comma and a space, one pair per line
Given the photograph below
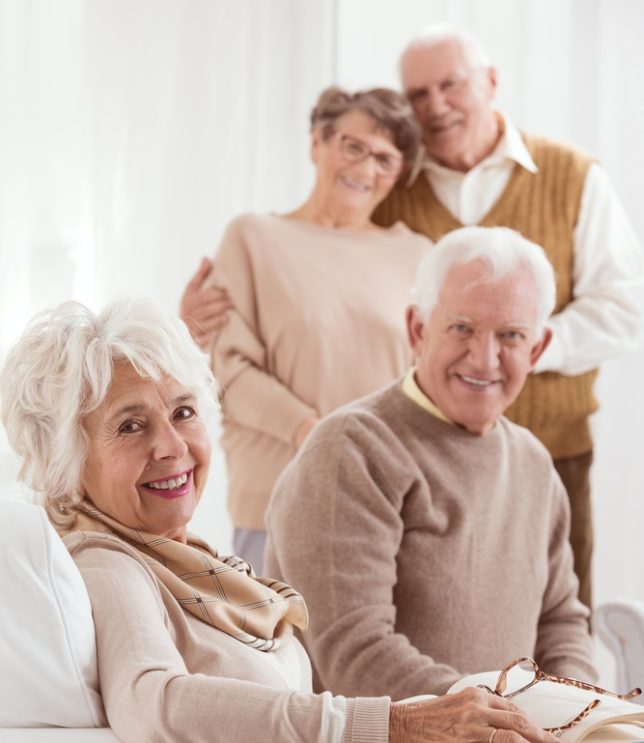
204, 307
471, 716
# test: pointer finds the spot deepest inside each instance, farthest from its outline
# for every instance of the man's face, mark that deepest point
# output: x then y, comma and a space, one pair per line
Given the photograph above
453, 101
479, 344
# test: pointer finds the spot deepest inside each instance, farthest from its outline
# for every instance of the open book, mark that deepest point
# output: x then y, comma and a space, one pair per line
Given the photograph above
550, 704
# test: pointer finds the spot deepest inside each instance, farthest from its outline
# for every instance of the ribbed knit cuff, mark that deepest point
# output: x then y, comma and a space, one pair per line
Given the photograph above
367, 720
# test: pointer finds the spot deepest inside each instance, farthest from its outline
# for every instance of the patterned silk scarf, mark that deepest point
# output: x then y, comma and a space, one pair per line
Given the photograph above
221, 591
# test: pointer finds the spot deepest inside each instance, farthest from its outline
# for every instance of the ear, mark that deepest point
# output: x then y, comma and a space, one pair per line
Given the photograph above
316, 141
415, 328
492, 79
540, 346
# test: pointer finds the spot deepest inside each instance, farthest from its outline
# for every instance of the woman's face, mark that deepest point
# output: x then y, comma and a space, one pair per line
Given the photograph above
355, 181
148, 454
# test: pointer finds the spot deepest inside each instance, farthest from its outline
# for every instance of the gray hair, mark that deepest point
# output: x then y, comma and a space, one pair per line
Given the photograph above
390, 111
502, 250
434, 33
60, 369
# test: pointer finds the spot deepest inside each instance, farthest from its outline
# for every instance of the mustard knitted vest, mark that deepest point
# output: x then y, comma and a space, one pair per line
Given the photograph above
543, 207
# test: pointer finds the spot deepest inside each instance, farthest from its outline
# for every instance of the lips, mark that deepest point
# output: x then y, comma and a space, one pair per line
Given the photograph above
355, 184
476, 383
175, 486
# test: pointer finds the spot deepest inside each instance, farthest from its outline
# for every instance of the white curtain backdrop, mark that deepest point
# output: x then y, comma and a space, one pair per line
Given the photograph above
132, 131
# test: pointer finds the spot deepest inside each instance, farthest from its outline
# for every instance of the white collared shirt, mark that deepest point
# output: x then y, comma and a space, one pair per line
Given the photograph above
605, 317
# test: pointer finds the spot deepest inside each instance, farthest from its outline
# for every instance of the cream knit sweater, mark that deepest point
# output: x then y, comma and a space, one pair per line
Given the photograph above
318, 321
167, 676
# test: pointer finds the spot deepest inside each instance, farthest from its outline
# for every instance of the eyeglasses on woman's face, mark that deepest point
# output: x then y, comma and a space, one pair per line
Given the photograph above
354, 150
523, 673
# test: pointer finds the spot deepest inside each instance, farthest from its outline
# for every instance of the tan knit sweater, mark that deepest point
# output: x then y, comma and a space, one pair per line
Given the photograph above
167, 676
318, 321
544, 207
425, 552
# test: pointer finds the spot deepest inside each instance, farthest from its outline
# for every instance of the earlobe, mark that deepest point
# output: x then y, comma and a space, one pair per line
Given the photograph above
541, 345
415, 327
492, 80
315, 145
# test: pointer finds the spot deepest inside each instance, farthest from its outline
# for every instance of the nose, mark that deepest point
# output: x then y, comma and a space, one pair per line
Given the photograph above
168, 443
367, 164
484, 351
437, 103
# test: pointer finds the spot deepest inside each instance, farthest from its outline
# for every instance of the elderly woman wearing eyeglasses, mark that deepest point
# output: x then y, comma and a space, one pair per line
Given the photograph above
318, 295
107, 413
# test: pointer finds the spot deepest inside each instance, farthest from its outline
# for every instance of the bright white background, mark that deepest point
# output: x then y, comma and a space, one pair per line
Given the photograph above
132, 131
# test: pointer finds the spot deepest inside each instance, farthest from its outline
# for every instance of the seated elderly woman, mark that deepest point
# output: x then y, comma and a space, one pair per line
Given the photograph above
108, 414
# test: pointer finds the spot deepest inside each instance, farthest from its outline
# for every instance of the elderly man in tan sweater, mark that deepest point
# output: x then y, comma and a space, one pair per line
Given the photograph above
428, 533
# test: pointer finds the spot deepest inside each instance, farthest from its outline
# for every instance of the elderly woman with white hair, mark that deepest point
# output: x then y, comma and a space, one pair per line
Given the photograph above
108, 414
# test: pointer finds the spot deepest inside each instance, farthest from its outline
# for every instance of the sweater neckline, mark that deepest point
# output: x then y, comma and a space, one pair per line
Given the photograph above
422, 421
398, 228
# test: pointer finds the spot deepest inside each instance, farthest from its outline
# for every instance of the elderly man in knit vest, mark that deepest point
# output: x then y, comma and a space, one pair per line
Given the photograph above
480, 169
428, 533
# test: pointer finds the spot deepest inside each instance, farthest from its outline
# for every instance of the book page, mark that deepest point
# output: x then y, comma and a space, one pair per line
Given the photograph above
551, 704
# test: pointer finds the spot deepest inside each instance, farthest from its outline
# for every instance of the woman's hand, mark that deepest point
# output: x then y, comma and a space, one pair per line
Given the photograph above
471, 716
203, 307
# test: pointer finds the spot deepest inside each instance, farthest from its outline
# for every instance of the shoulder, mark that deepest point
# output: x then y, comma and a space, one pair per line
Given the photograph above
527, 452
244, 240
249, 223
99, 550
371, 429
546, 150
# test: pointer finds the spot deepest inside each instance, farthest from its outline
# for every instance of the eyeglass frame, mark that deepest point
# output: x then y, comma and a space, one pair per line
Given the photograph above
539, 675
342, 137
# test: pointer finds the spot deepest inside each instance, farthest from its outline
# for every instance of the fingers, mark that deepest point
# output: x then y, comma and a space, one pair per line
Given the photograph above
512, 725
202, 273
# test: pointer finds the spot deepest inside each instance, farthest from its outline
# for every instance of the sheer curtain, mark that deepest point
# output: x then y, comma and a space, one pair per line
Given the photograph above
132, 131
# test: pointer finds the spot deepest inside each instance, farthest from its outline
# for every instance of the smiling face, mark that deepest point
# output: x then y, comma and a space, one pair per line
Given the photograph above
148, 454
452, 98
353, 186
480, 343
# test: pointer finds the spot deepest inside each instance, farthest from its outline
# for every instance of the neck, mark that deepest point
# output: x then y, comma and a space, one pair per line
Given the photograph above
326, 212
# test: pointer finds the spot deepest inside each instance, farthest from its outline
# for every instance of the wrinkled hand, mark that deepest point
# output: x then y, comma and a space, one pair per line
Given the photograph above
204, 307
467, 717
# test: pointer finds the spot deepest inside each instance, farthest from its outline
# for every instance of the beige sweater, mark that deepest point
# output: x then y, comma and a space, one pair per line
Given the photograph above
318, 321
166, 676
425, 552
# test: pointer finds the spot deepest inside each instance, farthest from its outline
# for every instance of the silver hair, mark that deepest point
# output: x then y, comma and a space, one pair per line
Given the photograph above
60, 369
502, 250
434, 33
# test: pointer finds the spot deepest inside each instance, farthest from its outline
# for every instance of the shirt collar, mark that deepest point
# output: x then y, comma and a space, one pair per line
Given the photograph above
412, 390
509, 147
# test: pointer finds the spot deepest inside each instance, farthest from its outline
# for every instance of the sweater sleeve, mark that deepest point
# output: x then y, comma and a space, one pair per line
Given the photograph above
564, 645
253, 397
335, 525
150, 695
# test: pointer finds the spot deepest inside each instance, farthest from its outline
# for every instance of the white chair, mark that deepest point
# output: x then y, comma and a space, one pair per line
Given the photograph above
620, 625
48, 673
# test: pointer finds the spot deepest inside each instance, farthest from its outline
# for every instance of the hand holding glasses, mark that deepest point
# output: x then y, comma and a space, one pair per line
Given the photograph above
522, 673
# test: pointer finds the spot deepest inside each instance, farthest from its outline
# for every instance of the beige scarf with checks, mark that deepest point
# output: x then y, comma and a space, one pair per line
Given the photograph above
221, 591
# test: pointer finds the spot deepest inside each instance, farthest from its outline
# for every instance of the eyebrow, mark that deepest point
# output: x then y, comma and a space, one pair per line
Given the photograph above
137, 407
519, 324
